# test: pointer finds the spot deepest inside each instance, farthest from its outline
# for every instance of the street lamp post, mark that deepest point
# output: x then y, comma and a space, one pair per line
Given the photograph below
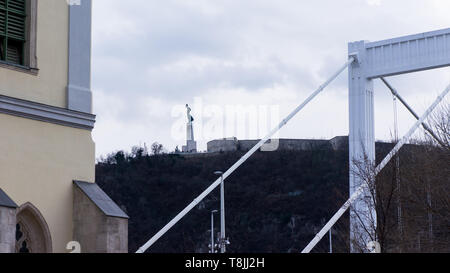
213, 247
223, 241
331, 242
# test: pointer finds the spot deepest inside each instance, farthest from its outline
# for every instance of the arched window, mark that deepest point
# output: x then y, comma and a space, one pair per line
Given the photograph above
22, 240
32, 233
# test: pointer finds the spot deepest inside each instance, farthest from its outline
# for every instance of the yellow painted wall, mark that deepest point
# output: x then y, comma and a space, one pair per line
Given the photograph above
39, 161
49, 86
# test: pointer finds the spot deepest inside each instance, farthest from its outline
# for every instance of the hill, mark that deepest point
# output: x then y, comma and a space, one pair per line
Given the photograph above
275, 202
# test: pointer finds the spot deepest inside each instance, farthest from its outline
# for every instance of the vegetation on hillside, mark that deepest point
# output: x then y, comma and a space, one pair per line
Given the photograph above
277, 201
274, 203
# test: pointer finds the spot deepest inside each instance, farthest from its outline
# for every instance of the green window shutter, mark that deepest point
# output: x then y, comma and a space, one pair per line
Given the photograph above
16, 5
14, 52
2, 17
12, 30
16, 20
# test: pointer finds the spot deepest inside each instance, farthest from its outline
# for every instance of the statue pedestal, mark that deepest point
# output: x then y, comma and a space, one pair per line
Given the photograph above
191, 147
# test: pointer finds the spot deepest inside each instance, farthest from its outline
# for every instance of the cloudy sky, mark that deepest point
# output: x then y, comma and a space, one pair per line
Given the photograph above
151, 57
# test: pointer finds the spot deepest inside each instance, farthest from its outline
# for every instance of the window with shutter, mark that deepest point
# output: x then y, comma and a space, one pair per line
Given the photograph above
12, 31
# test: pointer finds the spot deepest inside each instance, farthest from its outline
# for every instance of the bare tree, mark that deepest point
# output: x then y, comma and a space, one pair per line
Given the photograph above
419, 184
440, 122
157, 148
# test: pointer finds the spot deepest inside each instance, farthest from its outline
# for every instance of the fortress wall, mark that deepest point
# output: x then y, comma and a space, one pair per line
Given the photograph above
303, 144
246, 145
339, 143
231, 145
222, 145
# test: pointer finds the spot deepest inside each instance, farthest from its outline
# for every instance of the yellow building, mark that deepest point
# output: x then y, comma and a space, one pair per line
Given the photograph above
46, 147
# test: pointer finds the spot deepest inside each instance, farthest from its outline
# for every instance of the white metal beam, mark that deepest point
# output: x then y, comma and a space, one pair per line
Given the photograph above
407, 54
361, 138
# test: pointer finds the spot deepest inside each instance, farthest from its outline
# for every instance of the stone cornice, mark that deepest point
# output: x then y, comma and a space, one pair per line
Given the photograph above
46, 113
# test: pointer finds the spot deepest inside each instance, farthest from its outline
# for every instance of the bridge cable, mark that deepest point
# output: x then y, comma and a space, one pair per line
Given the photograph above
378, 169
425, 126
242, 160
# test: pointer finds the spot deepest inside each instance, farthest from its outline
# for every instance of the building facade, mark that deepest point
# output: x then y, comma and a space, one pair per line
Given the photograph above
46, 145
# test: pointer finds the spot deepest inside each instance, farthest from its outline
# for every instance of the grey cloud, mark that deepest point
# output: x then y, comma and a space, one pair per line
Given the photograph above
170, 33
250, 45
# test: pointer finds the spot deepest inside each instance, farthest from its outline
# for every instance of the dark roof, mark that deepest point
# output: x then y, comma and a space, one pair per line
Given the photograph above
5, 201
101, 199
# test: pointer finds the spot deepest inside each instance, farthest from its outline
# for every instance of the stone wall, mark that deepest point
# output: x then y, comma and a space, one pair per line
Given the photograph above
96, 232
339, 143
223, 145
232, 144
7, 230
246, 145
